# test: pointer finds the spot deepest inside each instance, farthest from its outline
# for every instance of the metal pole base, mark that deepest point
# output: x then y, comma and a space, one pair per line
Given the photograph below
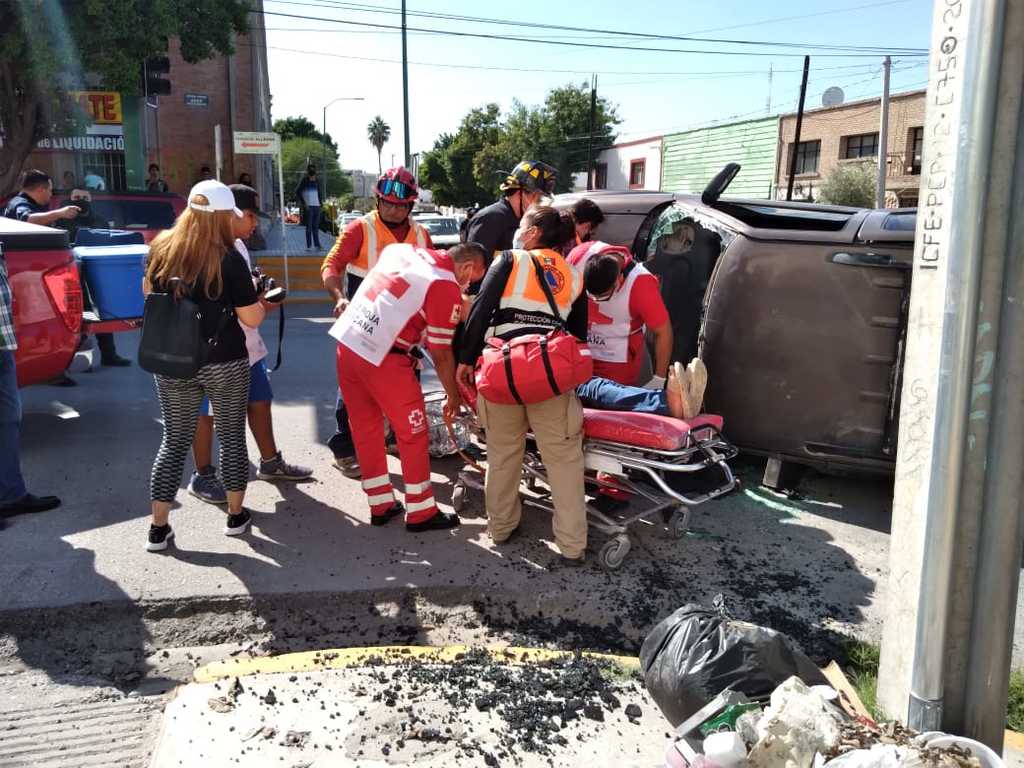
924, 714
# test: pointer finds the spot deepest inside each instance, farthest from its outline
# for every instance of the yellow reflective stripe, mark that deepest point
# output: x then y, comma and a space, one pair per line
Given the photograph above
419, 506
376, 482
417, 487
382, 498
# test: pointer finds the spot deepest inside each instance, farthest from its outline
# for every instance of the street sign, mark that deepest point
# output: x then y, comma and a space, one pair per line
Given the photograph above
255, 143
197, 100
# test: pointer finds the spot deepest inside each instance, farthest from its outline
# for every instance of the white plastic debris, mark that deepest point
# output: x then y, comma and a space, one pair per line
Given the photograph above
726, 749
879, 756
797, 725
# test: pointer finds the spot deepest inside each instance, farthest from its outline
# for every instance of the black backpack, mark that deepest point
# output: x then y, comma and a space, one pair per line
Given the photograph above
172, 333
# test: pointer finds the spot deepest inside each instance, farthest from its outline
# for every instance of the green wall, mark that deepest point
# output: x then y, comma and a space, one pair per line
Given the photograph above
691, 159
134, 151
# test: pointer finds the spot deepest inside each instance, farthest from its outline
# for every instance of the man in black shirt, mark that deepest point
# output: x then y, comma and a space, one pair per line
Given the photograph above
32, 203
493, 227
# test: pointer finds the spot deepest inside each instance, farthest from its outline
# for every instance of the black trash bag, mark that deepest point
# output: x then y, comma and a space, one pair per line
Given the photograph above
696, 653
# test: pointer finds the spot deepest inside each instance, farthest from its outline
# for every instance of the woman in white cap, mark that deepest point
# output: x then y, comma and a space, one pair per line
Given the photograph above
199, 250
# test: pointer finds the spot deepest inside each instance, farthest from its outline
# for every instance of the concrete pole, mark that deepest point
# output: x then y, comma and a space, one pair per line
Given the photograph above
218, 150
883, 136
930, 526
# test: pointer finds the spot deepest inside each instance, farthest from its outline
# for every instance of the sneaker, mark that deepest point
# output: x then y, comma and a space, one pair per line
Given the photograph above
442, 521
278, 469
568, 562
349, 467
238, 524
384, 517
159, 535
208, 487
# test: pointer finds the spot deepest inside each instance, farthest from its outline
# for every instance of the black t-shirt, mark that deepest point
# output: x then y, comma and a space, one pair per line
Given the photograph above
21, 206
493, 227
237, 291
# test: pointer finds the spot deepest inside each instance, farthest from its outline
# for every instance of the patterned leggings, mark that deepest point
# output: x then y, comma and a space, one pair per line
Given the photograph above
227, 386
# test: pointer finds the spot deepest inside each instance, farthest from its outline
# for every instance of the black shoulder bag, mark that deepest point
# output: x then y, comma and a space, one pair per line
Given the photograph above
172, 333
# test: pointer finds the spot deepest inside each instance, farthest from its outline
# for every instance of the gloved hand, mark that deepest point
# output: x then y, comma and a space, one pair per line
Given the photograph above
656, 382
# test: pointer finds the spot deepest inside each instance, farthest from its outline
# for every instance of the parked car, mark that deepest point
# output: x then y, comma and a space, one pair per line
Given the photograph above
344, 219
444, 230
146, 212
47, 297
799, 311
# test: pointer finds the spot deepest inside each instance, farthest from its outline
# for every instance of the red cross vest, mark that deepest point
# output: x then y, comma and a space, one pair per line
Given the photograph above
609, 323
392, 293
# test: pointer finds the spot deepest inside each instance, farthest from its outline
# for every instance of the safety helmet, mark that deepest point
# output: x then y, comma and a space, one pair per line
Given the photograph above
531, 176
397, 185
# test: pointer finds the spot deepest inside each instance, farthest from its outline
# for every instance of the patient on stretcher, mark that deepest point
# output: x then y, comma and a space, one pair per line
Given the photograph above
681, 398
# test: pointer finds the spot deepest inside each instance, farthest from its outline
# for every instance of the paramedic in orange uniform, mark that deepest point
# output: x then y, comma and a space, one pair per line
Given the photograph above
410, 295
354, 254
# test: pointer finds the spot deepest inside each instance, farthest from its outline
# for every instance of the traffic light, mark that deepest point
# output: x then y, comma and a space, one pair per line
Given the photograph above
153, 83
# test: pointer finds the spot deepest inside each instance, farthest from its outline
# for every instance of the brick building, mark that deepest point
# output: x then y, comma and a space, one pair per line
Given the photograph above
177, 131
832, 136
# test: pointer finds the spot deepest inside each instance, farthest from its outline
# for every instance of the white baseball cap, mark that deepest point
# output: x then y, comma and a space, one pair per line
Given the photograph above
219, 195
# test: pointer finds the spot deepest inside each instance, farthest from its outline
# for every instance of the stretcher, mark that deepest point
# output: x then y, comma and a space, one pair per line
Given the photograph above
666, 466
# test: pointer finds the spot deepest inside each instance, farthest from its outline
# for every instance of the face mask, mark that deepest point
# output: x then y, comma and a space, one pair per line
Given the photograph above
517, 239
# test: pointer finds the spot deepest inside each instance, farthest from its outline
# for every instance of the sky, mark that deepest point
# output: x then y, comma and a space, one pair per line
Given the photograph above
315, 61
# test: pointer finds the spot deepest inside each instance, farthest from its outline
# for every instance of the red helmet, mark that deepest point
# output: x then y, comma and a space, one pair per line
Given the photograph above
397, 185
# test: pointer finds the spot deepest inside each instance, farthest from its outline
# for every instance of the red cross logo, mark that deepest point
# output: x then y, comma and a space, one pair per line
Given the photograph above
595, 316
392, 282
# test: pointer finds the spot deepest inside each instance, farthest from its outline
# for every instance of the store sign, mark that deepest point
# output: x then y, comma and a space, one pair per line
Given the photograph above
81, 144
197, 100
255, 143
102, 107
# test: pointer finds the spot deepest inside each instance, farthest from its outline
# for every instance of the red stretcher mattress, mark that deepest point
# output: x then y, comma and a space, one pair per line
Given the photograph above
644, 430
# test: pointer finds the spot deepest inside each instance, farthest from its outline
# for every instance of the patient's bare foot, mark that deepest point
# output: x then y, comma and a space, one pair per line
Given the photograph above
675, 391
696, 382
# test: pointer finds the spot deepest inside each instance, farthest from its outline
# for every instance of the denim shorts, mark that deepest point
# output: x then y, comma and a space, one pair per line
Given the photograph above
259, 387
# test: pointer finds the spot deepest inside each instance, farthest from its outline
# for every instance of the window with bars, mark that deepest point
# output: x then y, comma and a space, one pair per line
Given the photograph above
862, 145
916, 149
107, 165
637, 169
807, 155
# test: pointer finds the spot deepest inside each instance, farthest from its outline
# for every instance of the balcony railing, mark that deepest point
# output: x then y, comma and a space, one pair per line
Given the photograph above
901, 164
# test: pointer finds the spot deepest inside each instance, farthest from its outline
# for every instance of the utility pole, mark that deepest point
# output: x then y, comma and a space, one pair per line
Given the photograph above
405, 86
799, 126
768, 108
883, 136
590, 133
956, 523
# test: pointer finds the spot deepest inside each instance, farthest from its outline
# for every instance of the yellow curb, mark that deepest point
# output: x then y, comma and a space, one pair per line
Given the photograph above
343, 658
1013, 742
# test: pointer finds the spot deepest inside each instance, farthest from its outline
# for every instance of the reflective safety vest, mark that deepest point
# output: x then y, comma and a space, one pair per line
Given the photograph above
390, 296
376, 237
523, 306
609, 323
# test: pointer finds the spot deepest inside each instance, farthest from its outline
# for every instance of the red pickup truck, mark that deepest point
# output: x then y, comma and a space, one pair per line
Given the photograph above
47, 298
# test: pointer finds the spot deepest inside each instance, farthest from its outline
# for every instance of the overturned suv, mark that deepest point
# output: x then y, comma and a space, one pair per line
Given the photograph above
799, 311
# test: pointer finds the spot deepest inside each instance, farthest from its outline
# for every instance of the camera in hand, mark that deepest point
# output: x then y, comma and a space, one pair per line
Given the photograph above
267, 286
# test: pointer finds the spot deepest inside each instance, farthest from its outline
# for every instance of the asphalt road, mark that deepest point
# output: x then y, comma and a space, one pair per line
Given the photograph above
82, 600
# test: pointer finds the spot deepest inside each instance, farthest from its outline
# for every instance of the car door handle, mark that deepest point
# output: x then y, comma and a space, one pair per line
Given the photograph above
883, 260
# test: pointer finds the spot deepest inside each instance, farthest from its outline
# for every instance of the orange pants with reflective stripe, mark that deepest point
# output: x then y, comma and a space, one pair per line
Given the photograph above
390, 389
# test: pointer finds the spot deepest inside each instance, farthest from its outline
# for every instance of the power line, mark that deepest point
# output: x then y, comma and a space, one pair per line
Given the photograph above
564, 43
339, 4
546, 70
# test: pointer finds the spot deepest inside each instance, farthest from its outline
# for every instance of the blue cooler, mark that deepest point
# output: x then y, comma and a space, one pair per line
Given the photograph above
113, 277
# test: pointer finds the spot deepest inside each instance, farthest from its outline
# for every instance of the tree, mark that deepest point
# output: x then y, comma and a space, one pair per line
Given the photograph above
301, 128
854, 184
378, 132
297, 153
469, 167
50, 48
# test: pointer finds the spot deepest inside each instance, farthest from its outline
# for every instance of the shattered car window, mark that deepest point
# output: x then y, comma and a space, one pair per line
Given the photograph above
675, 229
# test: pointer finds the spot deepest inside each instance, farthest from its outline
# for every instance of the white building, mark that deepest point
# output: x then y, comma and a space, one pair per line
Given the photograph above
629, 165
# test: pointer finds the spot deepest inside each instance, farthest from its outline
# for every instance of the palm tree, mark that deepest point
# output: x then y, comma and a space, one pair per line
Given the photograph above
378, 133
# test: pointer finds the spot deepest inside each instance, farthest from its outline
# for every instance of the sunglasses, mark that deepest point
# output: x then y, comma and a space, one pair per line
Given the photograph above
396, 188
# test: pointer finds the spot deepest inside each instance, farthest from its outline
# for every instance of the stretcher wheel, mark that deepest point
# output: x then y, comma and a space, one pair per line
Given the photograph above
614, 552
679, 524
459, 496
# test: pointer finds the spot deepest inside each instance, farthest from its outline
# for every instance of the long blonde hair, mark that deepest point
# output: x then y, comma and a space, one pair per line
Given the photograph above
192, 250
